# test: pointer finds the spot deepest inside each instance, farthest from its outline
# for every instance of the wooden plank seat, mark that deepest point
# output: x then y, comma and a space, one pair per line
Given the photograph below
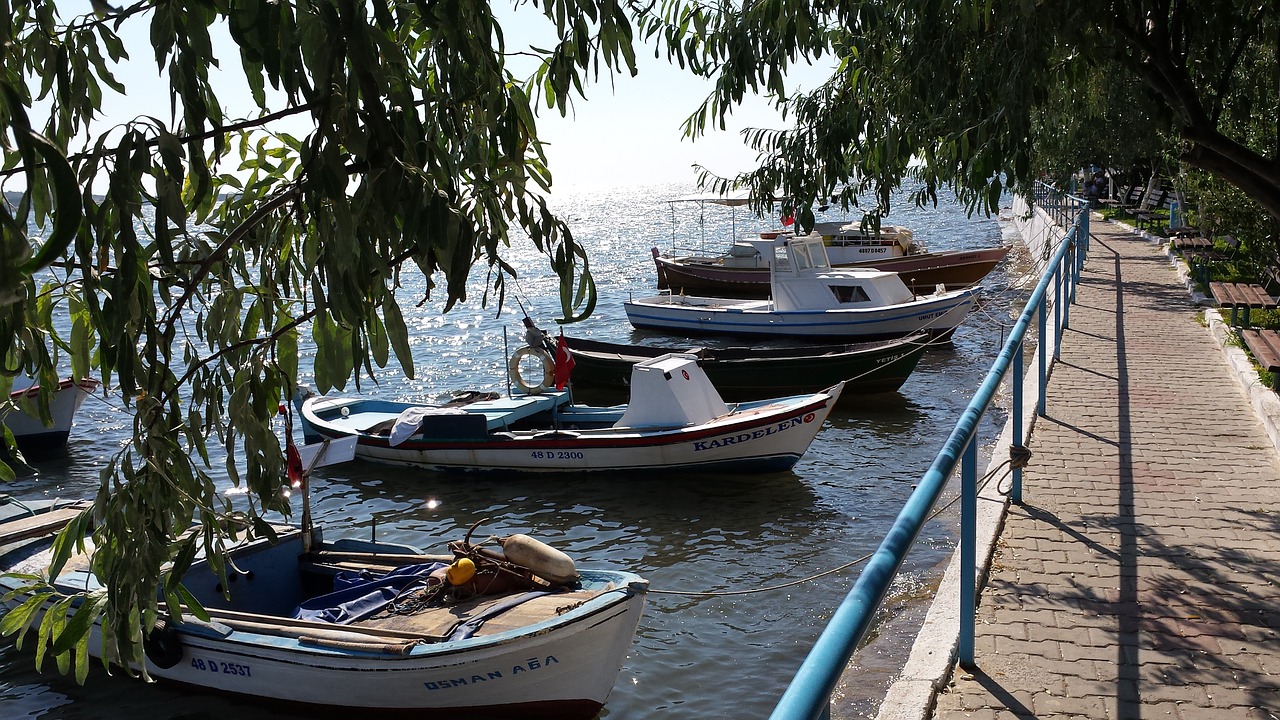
1242, 296
42, 524
1264, 345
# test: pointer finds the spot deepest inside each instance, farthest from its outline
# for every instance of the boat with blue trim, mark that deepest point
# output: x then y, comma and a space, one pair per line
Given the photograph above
810, 299
675, 420
359, 625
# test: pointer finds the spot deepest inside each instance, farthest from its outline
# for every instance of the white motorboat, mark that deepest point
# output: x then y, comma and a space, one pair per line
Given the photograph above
810, 299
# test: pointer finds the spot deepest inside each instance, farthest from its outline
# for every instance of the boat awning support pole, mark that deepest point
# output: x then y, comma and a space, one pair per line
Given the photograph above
307, 528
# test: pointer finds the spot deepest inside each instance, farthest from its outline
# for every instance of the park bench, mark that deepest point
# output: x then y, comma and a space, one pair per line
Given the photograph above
1264, 345
1242, 296
1153, 213
1128, 197
1201, 253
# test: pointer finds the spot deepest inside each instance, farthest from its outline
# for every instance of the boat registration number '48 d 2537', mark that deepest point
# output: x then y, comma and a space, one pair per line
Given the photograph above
222, 668
700, 445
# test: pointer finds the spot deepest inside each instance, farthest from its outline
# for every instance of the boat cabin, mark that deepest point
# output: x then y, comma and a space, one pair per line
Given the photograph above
802, 278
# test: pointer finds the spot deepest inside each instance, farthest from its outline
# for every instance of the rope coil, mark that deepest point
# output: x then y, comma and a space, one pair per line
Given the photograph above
1019, 456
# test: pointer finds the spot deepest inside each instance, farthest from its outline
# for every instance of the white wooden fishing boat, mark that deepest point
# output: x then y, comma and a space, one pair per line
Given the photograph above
374, 626
675, 420
810, 299
34, 438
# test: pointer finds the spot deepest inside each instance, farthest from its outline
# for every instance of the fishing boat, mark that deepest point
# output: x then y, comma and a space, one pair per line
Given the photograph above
34, 437
675, 420
810, 299
742, 271
745, 274
512, 629
748, 373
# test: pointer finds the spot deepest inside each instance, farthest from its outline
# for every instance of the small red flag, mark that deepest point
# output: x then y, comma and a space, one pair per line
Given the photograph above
564, 363
788, 220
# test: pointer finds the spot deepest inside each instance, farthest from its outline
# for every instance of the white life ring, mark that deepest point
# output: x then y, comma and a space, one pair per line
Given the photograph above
548, 367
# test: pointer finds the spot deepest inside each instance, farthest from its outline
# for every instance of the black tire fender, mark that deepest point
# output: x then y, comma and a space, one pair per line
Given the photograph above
163, 646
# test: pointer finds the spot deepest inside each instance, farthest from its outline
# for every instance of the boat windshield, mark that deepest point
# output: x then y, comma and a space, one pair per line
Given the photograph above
849, 293
803, 260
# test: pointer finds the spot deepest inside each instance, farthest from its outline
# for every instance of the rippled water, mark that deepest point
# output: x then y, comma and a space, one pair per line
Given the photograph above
695, 656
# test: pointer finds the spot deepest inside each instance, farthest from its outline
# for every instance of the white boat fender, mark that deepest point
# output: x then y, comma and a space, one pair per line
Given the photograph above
548, 367
162, 645
539, 558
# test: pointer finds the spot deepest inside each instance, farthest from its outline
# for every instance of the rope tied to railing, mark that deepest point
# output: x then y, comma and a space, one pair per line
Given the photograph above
1019, 456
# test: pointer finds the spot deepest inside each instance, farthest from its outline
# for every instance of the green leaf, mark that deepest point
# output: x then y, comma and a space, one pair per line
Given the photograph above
18, 620
76, 631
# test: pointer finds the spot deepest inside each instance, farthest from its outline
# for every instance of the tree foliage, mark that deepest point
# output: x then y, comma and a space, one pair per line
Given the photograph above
982, 97
191, 250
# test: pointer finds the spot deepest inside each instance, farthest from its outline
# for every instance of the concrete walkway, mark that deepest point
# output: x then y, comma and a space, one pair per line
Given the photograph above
1141, 576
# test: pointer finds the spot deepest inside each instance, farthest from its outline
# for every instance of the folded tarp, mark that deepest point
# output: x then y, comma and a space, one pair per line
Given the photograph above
356, 595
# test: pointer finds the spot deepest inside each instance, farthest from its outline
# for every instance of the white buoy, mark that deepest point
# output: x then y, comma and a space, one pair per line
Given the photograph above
539, 558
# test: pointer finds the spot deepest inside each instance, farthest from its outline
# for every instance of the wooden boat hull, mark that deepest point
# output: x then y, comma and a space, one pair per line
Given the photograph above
751, 373
36, 439
564, 666
922, 272
759, 437
938, 316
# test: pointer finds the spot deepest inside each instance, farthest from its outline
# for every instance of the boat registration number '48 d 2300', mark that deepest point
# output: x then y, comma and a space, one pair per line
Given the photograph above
740, 438
557, 455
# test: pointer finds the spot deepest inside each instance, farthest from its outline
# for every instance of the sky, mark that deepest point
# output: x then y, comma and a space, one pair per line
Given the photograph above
627, 133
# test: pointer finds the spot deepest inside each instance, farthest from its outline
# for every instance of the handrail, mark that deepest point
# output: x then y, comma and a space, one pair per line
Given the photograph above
808, 695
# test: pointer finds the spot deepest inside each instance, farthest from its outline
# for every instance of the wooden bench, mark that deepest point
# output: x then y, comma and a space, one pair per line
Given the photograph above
1128, 197
1201, 253
1154, 214
1242, 296
1264, 345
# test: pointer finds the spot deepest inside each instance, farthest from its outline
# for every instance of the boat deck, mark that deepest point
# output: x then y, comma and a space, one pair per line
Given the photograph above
441, 621
499, 414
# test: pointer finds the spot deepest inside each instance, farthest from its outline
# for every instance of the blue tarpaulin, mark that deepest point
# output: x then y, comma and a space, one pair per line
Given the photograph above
356, 595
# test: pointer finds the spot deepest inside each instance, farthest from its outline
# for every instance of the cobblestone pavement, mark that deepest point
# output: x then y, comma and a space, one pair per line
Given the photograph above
1139, 577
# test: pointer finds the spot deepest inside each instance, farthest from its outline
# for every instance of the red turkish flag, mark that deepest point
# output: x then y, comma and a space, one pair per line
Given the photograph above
564, 363
293, 465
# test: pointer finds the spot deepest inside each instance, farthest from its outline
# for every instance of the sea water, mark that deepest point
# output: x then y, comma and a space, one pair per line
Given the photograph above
734, 608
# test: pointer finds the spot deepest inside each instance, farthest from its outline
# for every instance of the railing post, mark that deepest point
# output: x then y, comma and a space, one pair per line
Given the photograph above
1015, 493
1084, 238
1041, 348
1068, 280
968, 551
1058, 297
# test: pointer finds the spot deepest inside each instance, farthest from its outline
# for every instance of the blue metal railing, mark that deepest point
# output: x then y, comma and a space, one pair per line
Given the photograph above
808, 695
